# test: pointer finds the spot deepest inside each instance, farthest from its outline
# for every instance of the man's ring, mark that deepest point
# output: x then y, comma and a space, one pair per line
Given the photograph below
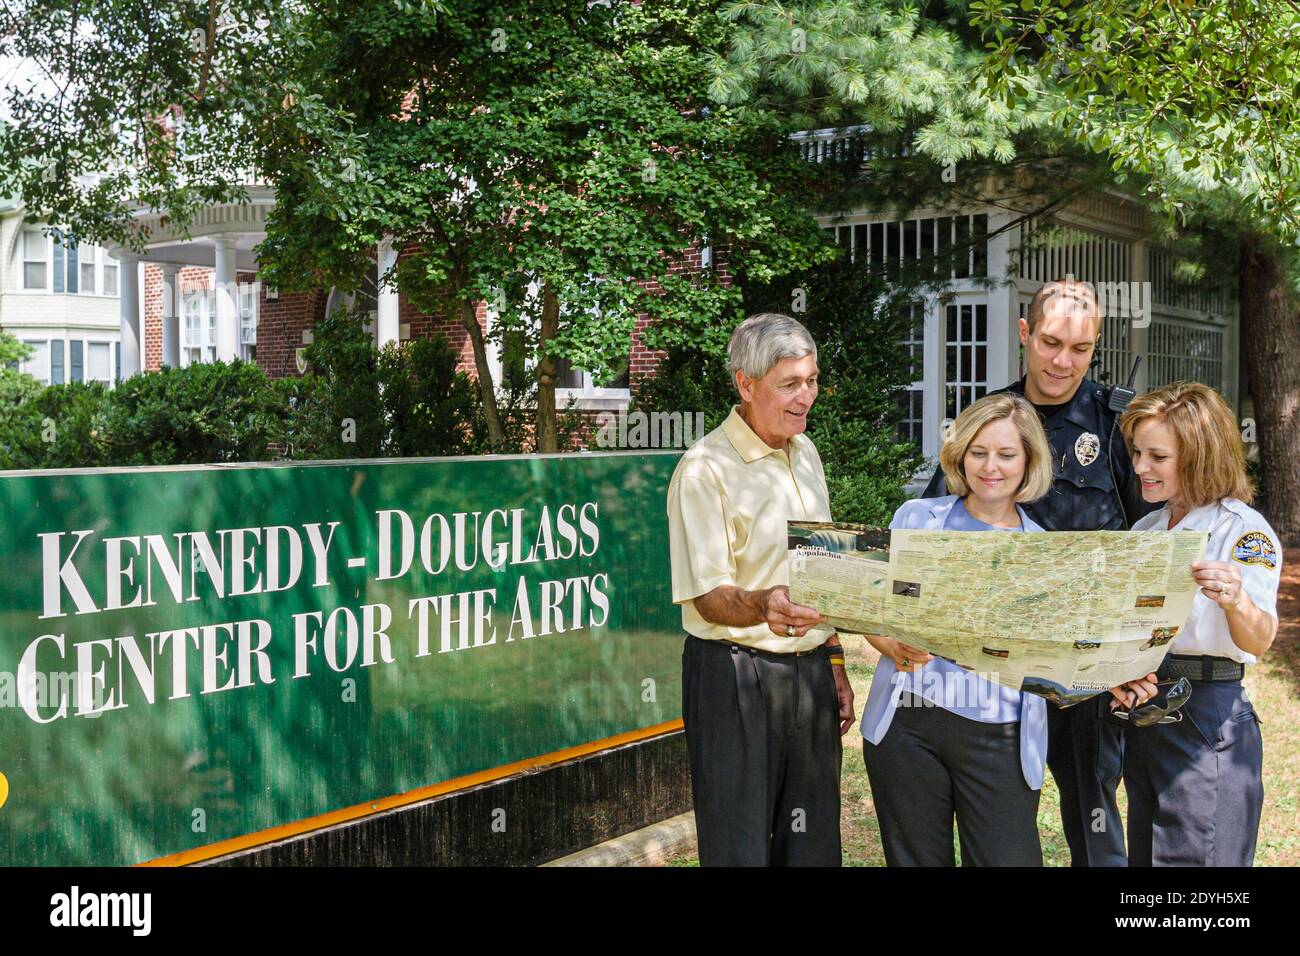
789, 630
1223, 587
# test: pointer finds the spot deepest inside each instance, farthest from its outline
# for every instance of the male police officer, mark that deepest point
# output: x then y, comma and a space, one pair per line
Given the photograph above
1093, 490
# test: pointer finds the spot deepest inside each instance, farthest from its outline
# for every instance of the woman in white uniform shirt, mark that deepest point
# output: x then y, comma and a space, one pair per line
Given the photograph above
1194, 787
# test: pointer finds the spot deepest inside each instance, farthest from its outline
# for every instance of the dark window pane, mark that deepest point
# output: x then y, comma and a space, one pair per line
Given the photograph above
909, 240
75, 365
877, 246
962, 249
981, 245
965, 323
981, 323
950, 401
966, 365
944, 226
860, 243
952, 323
566, 376
891, 248
981, 364
952, 363
927, 244
72, 267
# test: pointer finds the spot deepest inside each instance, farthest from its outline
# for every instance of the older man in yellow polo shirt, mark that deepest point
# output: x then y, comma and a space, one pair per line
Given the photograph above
764, 696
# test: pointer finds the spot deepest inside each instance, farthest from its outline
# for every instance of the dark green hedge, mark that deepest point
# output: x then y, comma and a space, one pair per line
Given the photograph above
355, 401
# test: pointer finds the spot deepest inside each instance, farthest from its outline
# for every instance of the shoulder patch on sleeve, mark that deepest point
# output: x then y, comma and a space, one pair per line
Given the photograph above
1255, 547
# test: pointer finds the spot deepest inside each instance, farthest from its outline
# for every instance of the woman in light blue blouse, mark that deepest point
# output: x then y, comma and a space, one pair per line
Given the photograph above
941, 741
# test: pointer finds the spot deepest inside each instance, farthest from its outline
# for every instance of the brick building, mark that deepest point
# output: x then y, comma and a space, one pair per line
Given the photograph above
196, 298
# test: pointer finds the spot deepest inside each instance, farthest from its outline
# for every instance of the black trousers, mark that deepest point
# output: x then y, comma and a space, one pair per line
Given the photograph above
931, 765
1195, 788
1085, 752
763, 735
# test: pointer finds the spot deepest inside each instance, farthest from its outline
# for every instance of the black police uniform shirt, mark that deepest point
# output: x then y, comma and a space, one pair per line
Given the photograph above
1085, 450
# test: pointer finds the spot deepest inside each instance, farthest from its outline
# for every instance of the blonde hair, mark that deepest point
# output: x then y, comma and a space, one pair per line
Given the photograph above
1037, 479
1211, 456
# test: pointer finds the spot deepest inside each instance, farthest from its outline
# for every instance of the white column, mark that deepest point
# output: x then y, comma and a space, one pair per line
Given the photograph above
387, 325
227, 297
1004, 306
171, 316
128, 271
1139, 338
933, 376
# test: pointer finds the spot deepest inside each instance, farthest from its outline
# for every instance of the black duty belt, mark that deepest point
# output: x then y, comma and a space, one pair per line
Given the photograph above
768, 655
1202, 668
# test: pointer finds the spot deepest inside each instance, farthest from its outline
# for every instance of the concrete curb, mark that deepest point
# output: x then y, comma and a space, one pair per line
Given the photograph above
654, 845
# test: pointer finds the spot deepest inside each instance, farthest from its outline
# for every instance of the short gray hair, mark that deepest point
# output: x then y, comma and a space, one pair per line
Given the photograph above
764, 339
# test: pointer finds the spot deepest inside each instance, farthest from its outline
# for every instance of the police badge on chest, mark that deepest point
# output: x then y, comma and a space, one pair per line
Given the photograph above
1086, 448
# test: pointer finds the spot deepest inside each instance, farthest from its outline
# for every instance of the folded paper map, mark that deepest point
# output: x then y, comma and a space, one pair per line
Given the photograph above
1064, 614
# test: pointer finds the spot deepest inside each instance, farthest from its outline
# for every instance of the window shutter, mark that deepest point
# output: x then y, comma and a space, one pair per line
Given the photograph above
56, 362
72, 267
59, 269
78, 374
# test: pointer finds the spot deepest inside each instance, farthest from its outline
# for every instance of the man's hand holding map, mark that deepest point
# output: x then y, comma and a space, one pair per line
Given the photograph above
1064, 615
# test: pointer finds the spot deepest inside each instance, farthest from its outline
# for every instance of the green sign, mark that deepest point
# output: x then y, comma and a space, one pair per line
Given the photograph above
190, 655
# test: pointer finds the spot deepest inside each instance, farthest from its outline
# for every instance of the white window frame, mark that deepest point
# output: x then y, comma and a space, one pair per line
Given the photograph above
959, 300
248, 295
918, 309
206, 344
107, 262
24, 260
108, 362
26, 364
94, 270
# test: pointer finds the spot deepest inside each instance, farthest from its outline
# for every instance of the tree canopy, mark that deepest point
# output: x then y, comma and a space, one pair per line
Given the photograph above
553, 160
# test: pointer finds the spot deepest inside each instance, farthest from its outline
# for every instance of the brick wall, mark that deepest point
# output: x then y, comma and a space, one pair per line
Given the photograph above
281, 322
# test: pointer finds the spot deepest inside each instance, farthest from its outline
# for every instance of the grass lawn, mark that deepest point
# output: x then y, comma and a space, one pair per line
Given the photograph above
1273, 686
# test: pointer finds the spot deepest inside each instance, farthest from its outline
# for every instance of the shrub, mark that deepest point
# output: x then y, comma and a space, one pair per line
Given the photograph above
62, 426
208, 412
407, 399
19, 430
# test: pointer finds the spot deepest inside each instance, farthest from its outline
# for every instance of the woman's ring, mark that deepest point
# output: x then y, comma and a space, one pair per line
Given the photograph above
789, 630
905, 662
1223, 587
